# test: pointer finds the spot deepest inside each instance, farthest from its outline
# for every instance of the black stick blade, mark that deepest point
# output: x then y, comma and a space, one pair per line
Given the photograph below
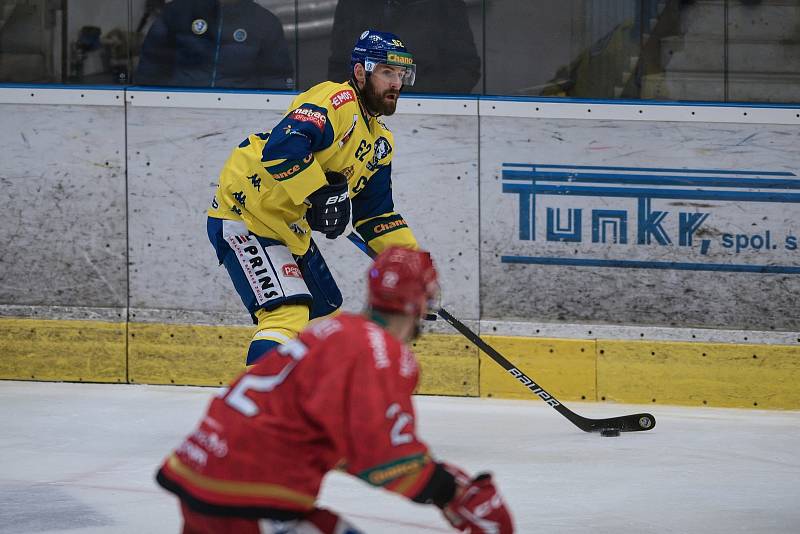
625, 423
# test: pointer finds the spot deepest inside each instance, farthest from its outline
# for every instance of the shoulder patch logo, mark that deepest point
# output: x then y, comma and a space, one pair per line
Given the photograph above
342, 97
316, 118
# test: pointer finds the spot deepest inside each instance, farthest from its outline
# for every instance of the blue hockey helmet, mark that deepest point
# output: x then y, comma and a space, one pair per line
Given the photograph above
375, 47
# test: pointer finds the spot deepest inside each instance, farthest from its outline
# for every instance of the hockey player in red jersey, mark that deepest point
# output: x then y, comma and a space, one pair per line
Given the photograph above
337, 396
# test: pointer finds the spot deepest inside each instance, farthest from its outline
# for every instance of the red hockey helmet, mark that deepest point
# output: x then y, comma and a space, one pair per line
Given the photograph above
402, 280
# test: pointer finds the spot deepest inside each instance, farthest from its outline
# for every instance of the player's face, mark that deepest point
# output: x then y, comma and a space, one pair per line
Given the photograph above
382, 89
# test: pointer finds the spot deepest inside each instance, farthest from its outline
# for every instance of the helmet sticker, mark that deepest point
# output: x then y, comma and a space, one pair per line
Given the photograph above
399, 58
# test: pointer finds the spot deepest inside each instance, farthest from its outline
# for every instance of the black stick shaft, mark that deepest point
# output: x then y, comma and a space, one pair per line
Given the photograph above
624, 423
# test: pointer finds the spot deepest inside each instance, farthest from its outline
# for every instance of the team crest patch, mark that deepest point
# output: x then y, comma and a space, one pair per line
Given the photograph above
199, 26
382, 151
240, 35
343, 97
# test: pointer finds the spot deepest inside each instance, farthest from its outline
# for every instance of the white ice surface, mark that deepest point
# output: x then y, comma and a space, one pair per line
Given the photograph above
80, 458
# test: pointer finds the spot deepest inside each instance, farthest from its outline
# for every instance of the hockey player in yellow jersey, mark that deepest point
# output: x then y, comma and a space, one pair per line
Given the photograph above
326, 162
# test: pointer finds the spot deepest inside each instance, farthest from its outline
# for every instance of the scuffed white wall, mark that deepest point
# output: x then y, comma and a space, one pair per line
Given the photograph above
175, 155
709, 277
174, 159
87, 229
63, 235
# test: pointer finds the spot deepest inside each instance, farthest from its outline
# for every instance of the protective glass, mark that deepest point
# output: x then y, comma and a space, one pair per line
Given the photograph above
407, 73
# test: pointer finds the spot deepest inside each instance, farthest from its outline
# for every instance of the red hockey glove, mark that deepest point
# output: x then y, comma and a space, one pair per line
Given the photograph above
477, 508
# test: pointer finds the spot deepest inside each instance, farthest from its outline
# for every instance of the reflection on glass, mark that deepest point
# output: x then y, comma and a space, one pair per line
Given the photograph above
580, 48
313, 37
99, 43
685, 56
607, 40
216, 43
704, 50
56, 41
30, 35
437, 32
763, 51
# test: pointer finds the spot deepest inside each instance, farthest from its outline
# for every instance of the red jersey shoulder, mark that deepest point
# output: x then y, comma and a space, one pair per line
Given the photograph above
355, 336
322, 330
408, 366
341, 335
386, 352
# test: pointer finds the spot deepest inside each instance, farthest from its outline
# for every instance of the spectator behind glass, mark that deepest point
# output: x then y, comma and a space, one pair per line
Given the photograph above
216, 43
437, 32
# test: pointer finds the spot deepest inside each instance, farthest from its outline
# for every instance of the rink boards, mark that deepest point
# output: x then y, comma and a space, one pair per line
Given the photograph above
663, 372
614, 251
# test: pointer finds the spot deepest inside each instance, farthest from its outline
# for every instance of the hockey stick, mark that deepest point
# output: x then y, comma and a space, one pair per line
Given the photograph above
624, 423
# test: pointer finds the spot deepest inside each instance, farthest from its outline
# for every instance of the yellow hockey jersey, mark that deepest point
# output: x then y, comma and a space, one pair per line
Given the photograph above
267, 178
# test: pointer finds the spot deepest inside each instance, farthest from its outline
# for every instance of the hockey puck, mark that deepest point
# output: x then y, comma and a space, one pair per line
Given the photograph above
610, 432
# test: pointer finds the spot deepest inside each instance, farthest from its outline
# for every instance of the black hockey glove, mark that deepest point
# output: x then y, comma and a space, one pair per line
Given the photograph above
329, 210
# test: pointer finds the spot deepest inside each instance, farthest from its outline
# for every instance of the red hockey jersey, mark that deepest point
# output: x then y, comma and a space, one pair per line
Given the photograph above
339, 395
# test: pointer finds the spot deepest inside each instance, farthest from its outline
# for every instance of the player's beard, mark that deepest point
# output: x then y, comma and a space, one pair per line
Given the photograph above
377, 102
